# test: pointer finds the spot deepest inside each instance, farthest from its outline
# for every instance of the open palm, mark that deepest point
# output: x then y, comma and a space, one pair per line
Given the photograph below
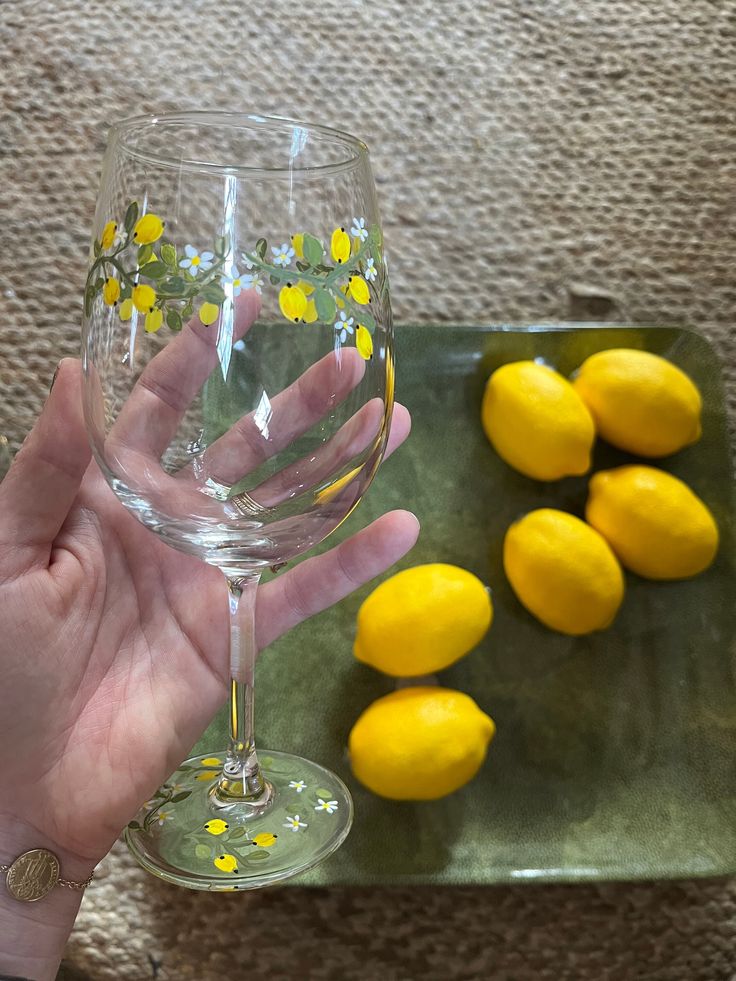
114, 647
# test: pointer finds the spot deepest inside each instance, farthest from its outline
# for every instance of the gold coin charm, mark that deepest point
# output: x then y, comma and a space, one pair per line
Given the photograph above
33, 875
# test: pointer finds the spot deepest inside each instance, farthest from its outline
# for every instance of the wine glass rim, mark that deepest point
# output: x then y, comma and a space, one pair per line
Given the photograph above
356, 148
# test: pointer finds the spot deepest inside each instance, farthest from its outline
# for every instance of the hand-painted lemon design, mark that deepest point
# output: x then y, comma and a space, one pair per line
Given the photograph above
216, 826
537, 422
211, 761
306, 288
126, 309
419, 743
364, 342
143, 297
358, 289
422, 620
310, 312
297, 241
111, 291
148, 229
226, 863
340, 245
207, 775
654, 522
153, 321
292, 302
265, 839
208, 313
108, 234
563, 572
640, 402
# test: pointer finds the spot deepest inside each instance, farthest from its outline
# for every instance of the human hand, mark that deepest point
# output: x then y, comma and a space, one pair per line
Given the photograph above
115, 646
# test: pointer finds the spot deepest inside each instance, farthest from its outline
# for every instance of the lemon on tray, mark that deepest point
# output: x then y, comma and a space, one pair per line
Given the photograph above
563, 571
422, 619
640, 402
537, 422
419, 743
653, 521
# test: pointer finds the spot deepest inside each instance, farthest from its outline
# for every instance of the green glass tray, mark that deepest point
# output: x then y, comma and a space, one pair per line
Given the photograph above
615, 756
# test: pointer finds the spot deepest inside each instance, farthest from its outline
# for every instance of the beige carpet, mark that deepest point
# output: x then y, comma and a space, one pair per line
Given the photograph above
536, 160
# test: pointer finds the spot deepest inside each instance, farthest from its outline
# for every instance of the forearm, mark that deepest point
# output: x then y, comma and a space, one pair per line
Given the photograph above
33, 935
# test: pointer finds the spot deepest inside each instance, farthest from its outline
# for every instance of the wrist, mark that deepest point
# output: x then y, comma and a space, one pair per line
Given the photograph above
33, 935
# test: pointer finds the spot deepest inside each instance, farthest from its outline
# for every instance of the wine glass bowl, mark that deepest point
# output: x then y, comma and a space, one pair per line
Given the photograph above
237, 345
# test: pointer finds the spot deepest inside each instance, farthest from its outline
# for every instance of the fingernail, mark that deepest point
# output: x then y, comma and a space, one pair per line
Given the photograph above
54, 378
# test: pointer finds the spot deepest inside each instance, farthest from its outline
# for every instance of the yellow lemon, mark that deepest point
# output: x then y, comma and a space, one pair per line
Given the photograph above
216, 826
640, 402
292, 302
655, 524
310, 312
148, 229
563, 571
536, 421
419, 743
226, 863
143, 297
358, 289
297, 241
126, 309
208, 313
153, 321
108, 234
422, 620
364, 342
340, 245
111, 291
211, 761
265, 839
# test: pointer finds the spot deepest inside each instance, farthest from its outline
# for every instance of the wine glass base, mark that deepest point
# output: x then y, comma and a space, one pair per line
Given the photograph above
181, 836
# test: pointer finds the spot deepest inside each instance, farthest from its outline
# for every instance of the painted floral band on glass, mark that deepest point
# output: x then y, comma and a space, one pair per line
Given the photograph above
332, 285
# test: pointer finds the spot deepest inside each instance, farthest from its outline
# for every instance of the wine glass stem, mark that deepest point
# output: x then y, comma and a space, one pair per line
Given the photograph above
241, 778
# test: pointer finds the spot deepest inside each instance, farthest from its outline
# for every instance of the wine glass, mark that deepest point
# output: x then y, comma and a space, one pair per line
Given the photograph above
237, 346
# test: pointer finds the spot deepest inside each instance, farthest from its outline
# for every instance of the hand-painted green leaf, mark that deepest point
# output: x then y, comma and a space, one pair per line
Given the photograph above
134, 826
131, 216
261, 246
155, 270
222, 245
125, 294
173, 319
168, 254
325, 305
313, 250
258, 855
176, 285
96, 247
99, 283
322, 268
202, 851
274, 280
212, 293
89, 296
144, 254
301, 266
324, 794
177, 798
186, 313
237, 833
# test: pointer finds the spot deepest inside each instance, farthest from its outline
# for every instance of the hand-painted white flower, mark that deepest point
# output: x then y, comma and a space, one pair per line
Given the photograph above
326, 805
283, 255
344, 326
297, 785
359, 230
370, 272
164, 816
234, 281
253, 282
246, 261
120, 236
194, 261
294, 823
